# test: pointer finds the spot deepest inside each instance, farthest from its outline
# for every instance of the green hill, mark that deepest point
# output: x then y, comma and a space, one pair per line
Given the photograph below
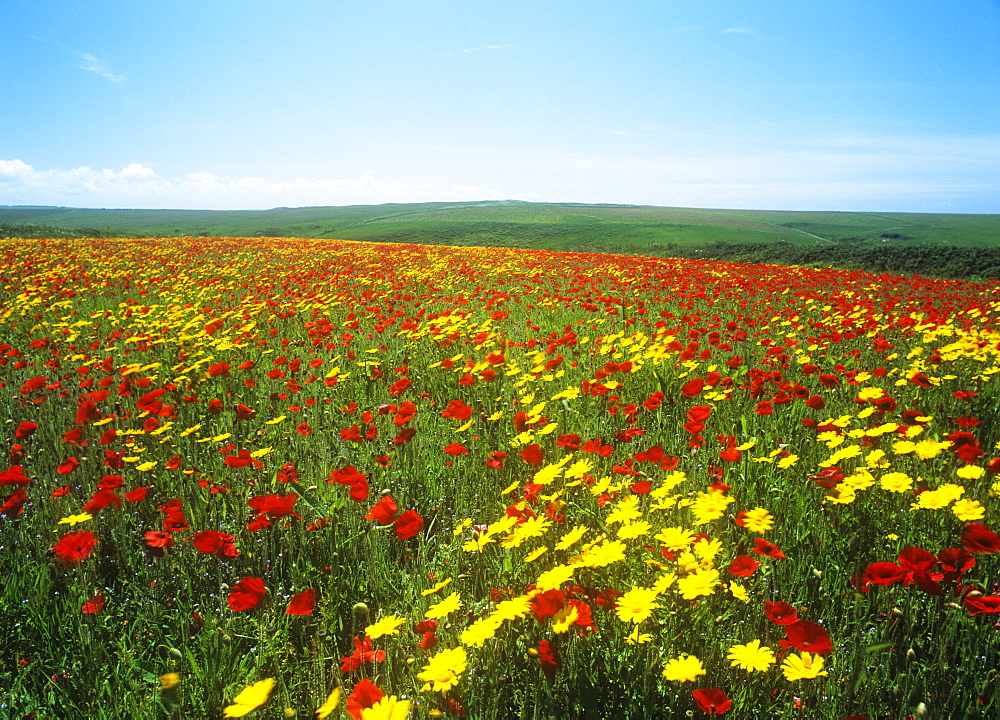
938, 244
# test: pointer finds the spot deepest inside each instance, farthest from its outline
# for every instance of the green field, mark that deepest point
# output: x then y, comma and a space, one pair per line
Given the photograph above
962, 246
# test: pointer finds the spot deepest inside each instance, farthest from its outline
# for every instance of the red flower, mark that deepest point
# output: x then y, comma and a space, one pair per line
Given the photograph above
693, 387
977, 538
247, 594
159, 540
495, 460
13, 505
364, 695
806, 636
917, 560
408, 524
767, 549
67, 466
712, 701
75, 547
137, 495
532, 455
989, 604
101, 499
548, 658
780, 613
455, 449
14, 476
275, 505
94, 605
884, 573
304, 429
215, 542
362, 653
25, 429
743, 566
303, 603
384, 511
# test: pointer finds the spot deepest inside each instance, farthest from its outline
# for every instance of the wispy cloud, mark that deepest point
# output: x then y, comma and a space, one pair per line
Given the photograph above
94, 65
740, 29
488, 47
138, 185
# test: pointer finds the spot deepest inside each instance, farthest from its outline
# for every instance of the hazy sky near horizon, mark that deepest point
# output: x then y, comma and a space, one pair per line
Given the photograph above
844, 105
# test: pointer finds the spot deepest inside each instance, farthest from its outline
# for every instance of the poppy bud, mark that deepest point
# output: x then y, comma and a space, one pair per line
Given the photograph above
360, 611
818, 573
291, 713
174, 653
921, 710
896, 612
911, 655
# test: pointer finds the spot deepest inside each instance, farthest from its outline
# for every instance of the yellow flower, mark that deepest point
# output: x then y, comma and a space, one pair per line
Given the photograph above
970, 472
514, 608
388, 708
698, 583
739, 592
937, 499
442, 672
675, 538
386, 626
751, 656
685, 668
535, 554
758, 520
74, 519
637, 638
571, 538
927, 449
169, 680
625, 510
250, 698
845, 495
803, 666
710, 506
439, 610
552, 579
706, 550
636, 605
437, 587
633, 530
481, 630
896, 482
602, 555
332, 701
968, 510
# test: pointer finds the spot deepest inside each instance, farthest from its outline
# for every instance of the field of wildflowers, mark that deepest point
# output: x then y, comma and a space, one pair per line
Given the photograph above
280, 478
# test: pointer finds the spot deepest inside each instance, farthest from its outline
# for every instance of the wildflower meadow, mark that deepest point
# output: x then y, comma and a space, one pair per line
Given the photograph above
306, 478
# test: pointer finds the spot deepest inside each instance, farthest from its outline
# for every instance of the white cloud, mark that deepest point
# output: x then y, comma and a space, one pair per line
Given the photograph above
137, 185
488, 47
738, 29
92, 64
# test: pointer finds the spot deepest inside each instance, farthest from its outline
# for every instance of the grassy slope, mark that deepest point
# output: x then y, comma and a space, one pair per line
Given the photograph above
617, 228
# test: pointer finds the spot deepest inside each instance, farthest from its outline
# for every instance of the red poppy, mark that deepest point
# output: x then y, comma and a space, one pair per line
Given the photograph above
75, 547
362, 653
532, 454
302, 604
94, 605
548, 658
780, 613
13, 505
743, 566
455, 449
304, 429
428, 641
693, 387
988, 604
275, 505
426, 626
956, 560
408, 525
806, 636
547, 604
137, 494
101, 499
641, 487
158, 539
884, 573
14, 476
364, 695
213, 542
978, 538
495, 460
67, 466
712, 701
767, 549
569, 442
384, 511
247, 594
25, 429
917, 560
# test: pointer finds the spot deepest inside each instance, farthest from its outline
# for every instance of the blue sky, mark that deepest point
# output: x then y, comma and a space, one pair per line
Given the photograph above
844, 105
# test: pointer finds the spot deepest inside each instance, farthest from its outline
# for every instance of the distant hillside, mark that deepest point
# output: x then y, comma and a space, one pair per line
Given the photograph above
885, 240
